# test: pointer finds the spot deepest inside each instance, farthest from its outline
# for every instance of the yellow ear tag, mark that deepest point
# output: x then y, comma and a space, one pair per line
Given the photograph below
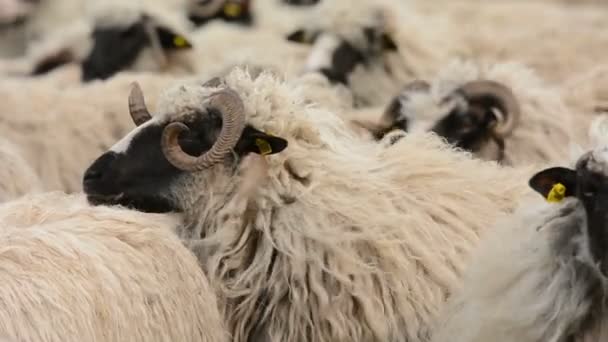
233, 9
263, 146
180, 41
557, 193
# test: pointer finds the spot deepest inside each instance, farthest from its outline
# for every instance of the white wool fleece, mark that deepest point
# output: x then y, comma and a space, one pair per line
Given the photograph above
72, 272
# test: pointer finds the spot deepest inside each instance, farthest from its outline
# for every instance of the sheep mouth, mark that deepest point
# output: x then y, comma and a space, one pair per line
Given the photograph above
105, 199
146, 204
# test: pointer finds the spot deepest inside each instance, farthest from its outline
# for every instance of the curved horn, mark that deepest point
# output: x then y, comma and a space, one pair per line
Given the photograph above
205, 8
228, 102
499, 96
137, 105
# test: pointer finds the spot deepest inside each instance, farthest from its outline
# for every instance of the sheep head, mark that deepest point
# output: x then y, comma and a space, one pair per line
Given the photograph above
117, 47
483, 111
205, 134
588, 184
335, 56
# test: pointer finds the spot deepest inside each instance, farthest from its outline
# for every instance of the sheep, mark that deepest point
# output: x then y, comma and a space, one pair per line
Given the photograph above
373, 47
152, 39
99, 273
17, 177
58, 131
541, 275
501, 112
340, 239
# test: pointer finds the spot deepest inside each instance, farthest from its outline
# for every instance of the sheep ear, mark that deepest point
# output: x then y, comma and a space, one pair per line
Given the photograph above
170, 40
388, 43
302, 36
545, 182
255, 141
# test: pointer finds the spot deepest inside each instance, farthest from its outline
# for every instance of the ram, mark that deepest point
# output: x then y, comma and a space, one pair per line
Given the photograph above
151, 38
106, 274
373, 47
541, 275
501, 112
58, 131
339, 239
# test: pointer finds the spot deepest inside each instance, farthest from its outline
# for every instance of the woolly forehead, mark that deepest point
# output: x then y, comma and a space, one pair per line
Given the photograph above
348, 22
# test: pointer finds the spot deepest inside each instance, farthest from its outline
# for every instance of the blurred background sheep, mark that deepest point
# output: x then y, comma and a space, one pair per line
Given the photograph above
512, 85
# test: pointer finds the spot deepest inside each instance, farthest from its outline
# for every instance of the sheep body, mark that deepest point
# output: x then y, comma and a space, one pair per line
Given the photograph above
59, 131
99, 274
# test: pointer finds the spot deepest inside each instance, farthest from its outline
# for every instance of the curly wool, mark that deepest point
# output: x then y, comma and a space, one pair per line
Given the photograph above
99, 274
346, 240
530, 281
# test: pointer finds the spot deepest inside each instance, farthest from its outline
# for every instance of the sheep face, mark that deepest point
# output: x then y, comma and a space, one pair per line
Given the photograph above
475, 117
116, 48
588, 183
141, 171
234, 11
336, 57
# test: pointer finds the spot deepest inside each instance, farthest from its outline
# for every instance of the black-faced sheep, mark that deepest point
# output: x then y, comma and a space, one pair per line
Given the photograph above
501, 112
339, 239
72, 272
373, 47
151, 39
542, 275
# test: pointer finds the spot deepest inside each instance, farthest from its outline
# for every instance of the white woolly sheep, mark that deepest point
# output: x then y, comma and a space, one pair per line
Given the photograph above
340, 239
60, 130
373, 47
500, 112
72, 272
542, 274
16, 176
151, 39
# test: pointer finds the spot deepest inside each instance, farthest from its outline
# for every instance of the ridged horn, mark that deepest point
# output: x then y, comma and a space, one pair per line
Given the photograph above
137, 105
498, 95
228, 102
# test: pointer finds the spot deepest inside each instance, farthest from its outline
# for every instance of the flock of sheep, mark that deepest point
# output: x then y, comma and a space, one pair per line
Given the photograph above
303, 170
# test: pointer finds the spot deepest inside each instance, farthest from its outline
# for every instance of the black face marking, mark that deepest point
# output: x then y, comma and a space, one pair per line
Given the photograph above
469, 129
343, 61
140, 177
233, 11
53, 62
592, 190
114, 49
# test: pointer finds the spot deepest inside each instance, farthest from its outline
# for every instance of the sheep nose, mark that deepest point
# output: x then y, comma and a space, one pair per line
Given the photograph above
96, 171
